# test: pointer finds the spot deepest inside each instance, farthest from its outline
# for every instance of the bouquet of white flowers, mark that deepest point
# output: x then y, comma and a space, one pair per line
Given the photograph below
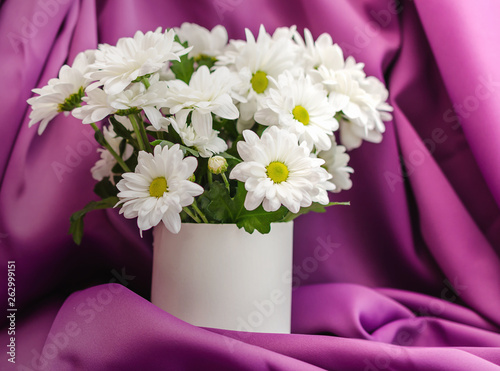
184, 107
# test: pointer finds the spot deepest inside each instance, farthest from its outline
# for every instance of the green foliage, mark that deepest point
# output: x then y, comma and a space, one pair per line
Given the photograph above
226, 128
260, 220
183, 69
220, 207
123, 132
105, 189
76, 220
315, 207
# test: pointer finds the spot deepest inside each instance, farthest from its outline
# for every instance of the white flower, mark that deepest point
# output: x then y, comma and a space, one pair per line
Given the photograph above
135, 97
323, 52
302, 108
103, 167
255, 61
158, 189
272, 56
201, 137
97, 107
380, 94
361, 118
336, 164
278, 171
205, 43
206, 93
117, 66
286, 33
61, 94
149, 100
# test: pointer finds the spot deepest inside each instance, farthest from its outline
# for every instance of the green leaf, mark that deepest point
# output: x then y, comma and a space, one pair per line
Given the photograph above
123, 132
220, 207
315, 207
99, 137
76, 220
239, 201
154, 143
105, 188
184, 69
172, 136
227, 128
227, 156
185, 149
131, 163
217, 205
122, 147
260, 220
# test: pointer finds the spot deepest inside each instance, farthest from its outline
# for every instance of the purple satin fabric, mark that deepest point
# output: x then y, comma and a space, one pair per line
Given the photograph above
406, 278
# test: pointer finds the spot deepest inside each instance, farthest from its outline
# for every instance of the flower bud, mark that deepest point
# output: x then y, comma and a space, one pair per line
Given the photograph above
217, 164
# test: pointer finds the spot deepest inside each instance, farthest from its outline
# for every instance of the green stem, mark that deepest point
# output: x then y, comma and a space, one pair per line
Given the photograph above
209, 177
111, 150
195, 207
190, 213
137, 131
225, 181
145, 81
289, 216
160, 135
144, 134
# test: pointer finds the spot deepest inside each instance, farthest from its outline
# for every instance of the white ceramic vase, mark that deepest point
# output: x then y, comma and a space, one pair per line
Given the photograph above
219, 276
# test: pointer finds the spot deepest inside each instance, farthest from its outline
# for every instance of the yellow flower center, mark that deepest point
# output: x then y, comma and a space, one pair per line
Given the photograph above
277, 171
259, 82
301, 115
158, 187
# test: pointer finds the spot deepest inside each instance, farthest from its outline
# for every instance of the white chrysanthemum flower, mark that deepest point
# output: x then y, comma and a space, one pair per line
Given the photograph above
255, 61
203, 138
323, 52
150, 100
117, 66
159, 188
103, 167
61, 94
166, 74
336, 160
380, 94
302, 108
206, 93
286, 33
205, 43
368, 123
352, 134
360, 116
97, 107
278, 171
136, 97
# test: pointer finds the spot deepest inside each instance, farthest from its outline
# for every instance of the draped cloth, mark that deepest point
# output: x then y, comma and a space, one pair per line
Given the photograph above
412, 275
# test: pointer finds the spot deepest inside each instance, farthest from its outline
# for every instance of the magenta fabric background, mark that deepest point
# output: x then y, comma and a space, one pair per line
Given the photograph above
412, 279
